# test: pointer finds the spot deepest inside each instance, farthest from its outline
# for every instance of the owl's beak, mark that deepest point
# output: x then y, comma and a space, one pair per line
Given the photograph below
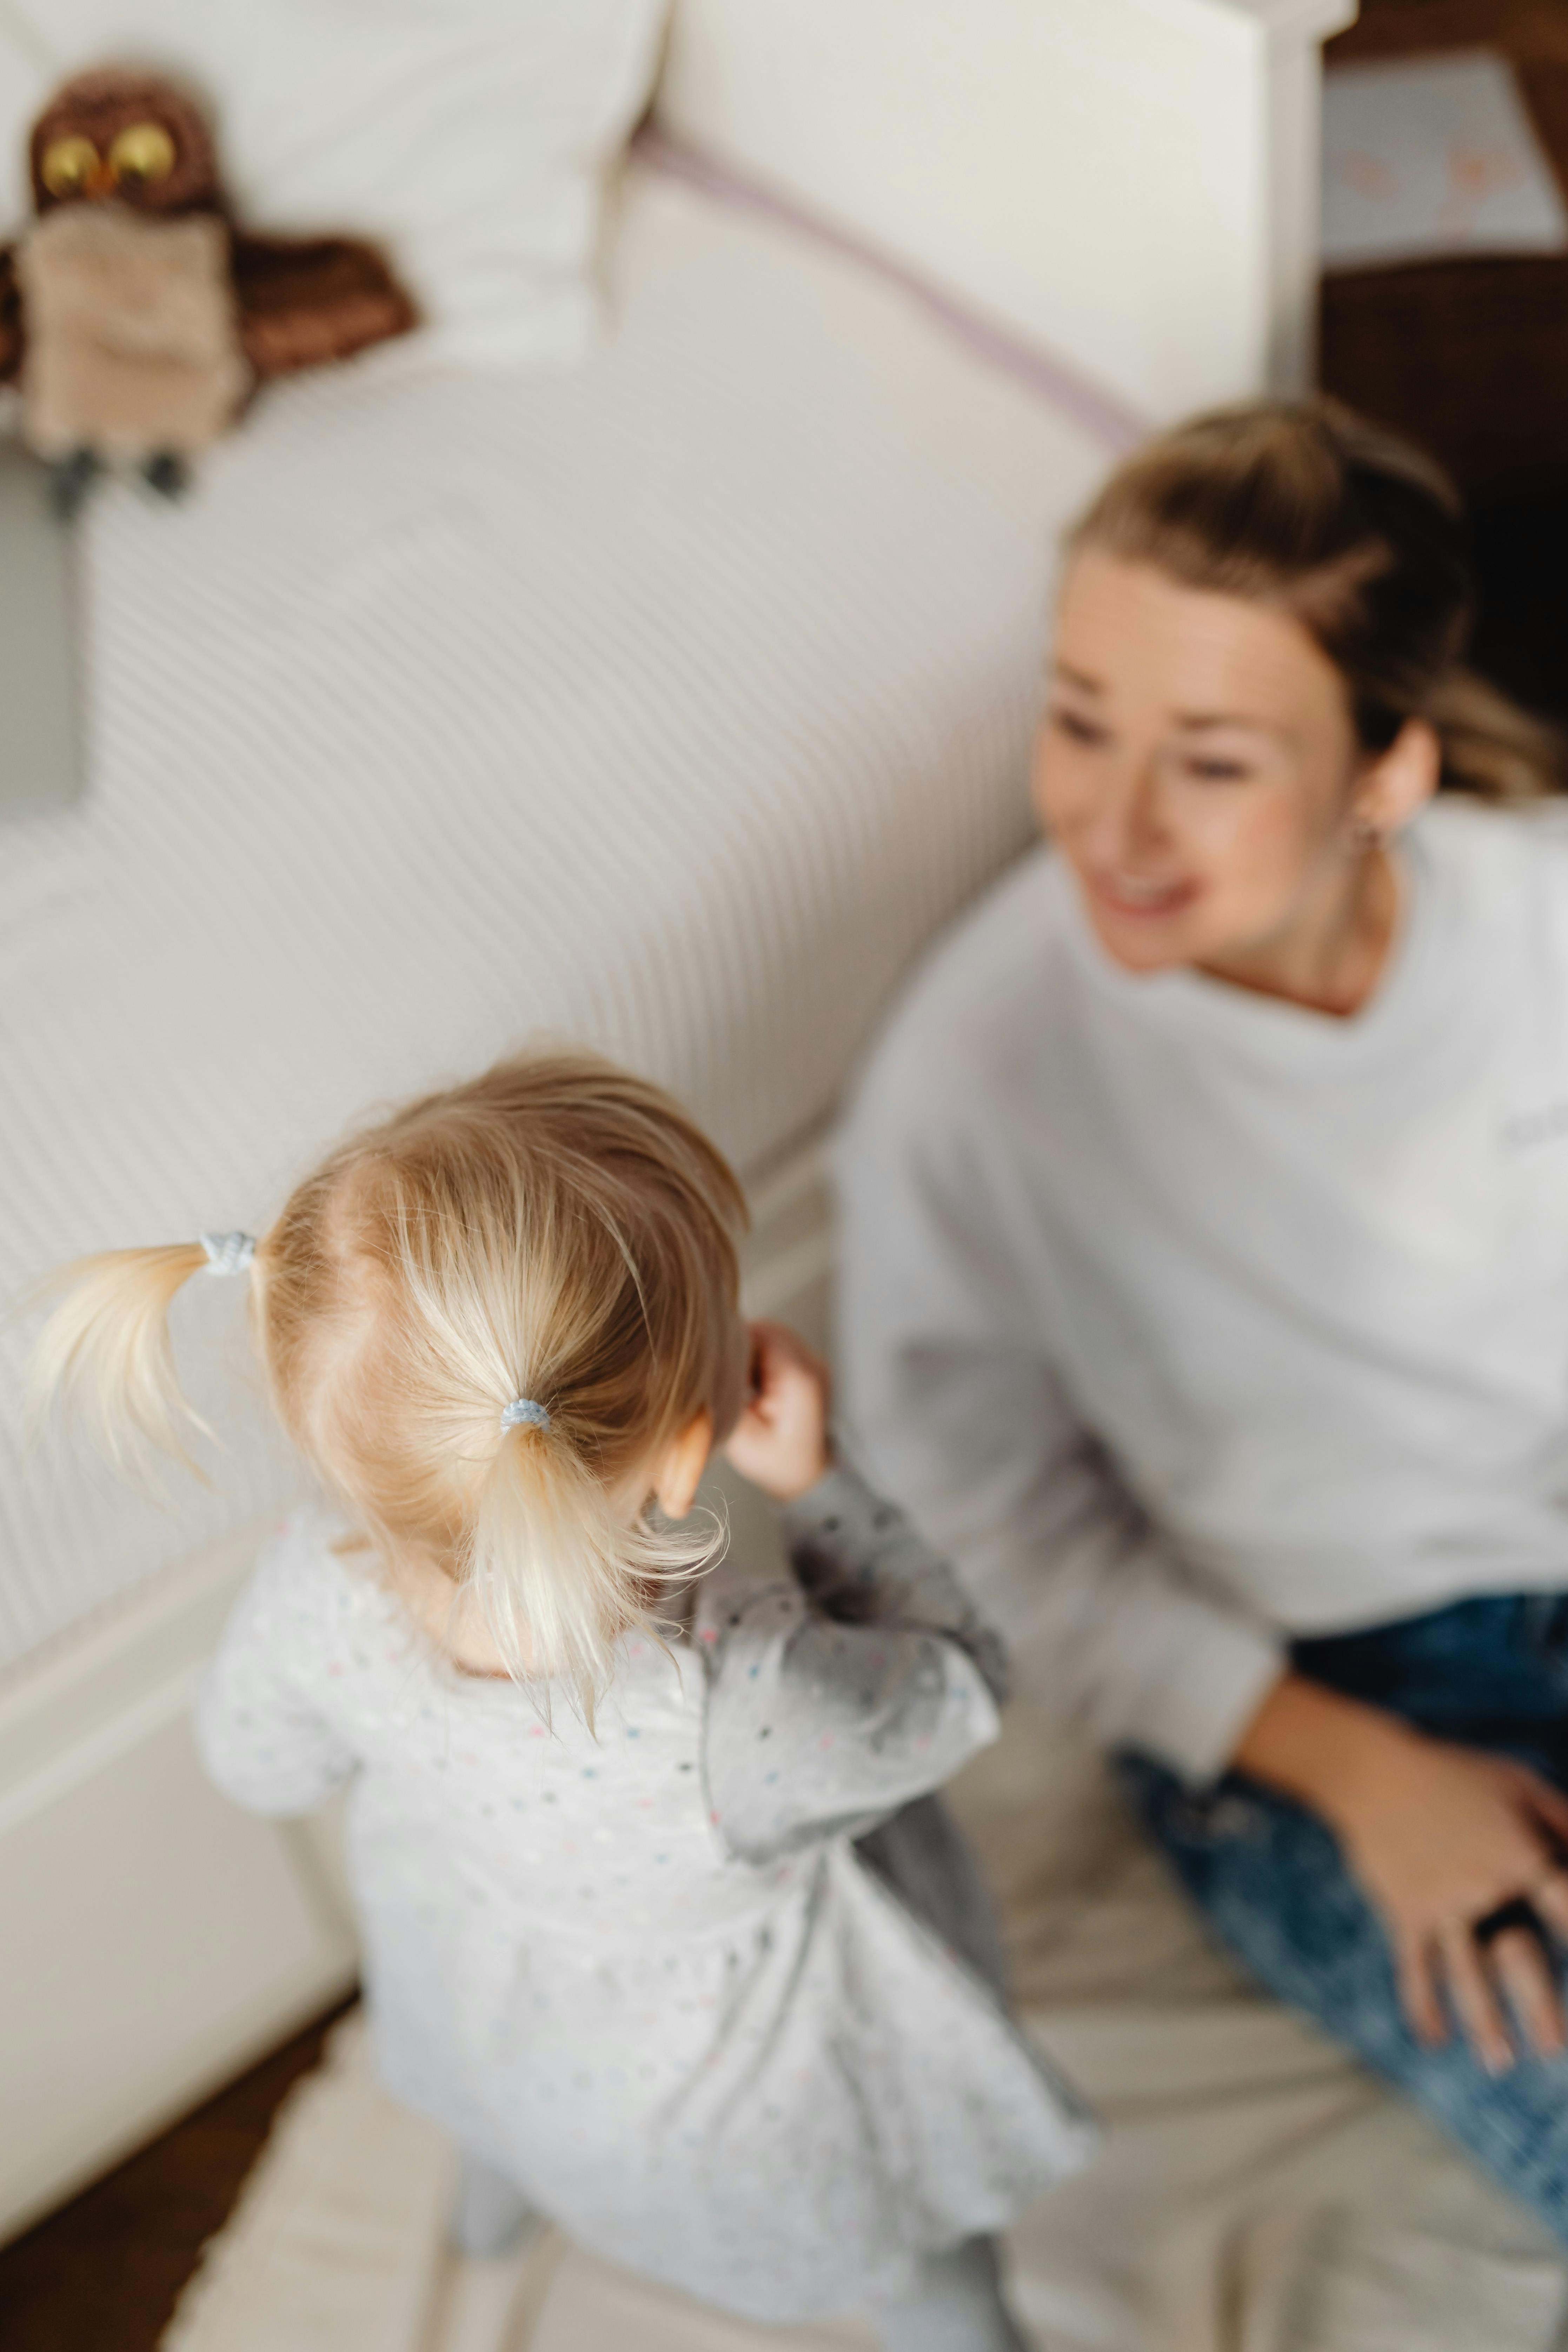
102, 180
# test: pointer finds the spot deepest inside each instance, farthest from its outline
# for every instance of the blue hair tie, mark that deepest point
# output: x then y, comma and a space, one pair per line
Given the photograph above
228, 1253
524, 1414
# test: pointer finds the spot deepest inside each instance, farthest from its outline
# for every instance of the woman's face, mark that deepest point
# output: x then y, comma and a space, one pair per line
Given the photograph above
1196, 767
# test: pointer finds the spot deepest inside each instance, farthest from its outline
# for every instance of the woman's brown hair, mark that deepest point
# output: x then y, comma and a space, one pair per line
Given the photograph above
1360, 538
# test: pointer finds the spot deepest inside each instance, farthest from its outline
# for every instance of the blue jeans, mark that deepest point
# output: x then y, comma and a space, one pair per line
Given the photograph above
1270, 1877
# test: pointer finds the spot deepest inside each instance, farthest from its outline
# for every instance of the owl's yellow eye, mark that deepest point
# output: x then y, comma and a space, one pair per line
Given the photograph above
143, 151
68, 164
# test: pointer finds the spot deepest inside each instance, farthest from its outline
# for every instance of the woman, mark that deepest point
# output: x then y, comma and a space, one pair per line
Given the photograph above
1206, 1251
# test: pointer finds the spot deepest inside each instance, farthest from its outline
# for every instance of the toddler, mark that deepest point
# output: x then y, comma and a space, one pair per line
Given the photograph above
659, 1920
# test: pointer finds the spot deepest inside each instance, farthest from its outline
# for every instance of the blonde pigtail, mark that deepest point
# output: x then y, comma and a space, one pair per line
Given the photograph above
105, 1350
559, 1576
554, 1214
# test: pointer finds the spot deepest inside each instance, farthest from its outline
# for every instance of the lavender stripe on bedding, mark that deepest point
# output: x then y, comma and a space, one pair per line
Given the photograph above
1097, 411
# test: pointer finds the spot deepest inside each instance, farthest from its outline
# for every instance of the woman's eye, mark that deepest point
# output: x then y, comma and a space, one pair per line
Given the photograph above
1076, 729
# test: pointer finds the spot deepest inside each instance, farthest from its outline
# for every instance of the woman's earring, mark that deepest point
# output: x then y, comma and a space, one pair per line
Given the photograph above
1365, 834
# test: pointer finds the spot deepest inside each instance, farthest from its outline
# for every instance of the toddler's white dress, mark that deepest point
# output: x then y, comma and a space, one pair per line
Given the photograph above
647, 1972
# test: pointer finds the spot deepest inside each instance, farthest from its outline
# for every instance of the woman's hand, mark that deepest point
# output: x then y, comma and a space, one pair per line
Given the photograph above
1439, 1837
780, 1442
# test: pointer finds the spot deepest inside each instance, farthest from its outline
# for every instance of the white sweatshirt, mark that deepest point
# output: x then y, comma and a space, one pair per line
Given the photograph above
1187, 1320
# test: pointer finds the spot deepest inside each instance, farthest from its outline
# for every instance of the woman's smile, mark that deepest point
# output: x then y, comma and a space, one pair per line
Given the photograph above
1139, 897
1198, 770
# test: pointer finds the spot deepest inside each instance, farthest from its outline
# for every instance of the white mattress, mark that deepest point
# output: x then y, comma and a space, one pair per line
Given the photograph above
669, 704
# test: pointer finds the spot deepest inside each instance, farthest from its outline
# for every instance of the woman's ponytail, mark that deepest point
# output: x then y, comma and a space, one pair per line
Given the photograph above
105, 1349
1492, 749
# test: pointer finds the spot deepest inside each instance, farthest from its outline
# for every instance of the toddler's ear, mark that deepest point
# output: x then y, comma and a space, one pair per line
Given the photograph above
678, 1473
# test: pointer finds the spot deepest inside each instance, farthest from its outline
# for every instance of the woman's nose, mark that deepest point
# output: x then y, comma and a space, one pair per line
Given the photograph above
1126, 820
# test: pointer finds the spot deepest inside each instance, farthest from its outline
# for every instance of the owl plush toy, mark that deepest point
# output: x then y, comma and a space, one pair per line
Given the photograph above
135, 318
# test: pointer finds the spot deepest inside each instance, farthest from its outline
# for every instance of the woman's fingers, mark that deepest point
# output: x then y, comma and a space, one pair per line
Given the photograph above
1474, 1996
1525, 1974
1418, 1993
1547, 1892
1548, 1895
1549, 1804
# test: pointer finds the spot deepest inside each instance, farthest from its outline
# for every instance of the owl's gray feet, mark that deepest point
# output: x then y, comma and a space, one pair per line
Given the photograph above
71, 479
166, 472
489, 2217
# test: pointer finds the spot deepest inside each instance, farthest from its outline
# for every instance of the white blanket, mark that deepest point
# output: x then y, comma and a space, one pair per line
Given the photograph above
669, 704
1256, 2192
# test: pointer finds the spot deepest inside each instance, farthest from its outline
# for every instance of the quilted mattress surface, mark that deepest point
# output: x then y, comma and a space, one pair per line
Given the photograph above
668, 705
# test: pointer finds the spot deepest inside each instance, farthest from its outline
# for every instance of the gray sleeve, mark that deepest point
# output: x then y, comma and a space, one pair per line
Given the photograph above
836, 1697
263, 1738
958, 1411
860, 1558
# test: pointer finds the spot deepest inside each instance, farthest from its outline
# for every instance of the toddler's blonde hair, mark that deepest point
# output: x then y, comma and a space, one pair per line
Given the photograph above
557, 1231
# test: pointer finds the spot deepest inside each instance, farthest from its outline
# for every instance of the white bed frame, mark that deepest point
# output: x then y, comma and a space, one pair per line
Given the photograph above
1132, 186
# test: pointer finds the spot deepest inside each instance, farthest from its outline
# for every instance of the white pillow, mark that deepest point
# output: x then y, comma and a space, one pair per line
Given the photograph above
471, 138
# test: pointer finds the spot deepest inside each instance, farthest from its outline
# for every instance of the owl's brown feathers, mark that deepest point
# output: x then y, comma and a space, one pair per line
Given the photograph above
101, 105
140, 143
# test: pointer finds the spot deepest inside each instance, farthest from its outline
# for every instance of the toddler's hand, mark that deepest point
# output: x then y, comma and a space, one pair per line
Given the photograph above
780, 1442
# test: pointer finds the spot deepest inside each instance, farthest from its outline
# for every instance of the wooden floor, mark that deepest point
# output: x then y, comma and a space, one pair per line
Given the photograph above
102, 2274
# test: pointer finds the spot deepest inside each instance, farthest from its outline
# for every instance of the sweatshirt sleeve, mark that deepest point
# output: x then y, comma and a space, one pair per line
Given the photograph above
956, 1409
263, 1735
837, 1696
